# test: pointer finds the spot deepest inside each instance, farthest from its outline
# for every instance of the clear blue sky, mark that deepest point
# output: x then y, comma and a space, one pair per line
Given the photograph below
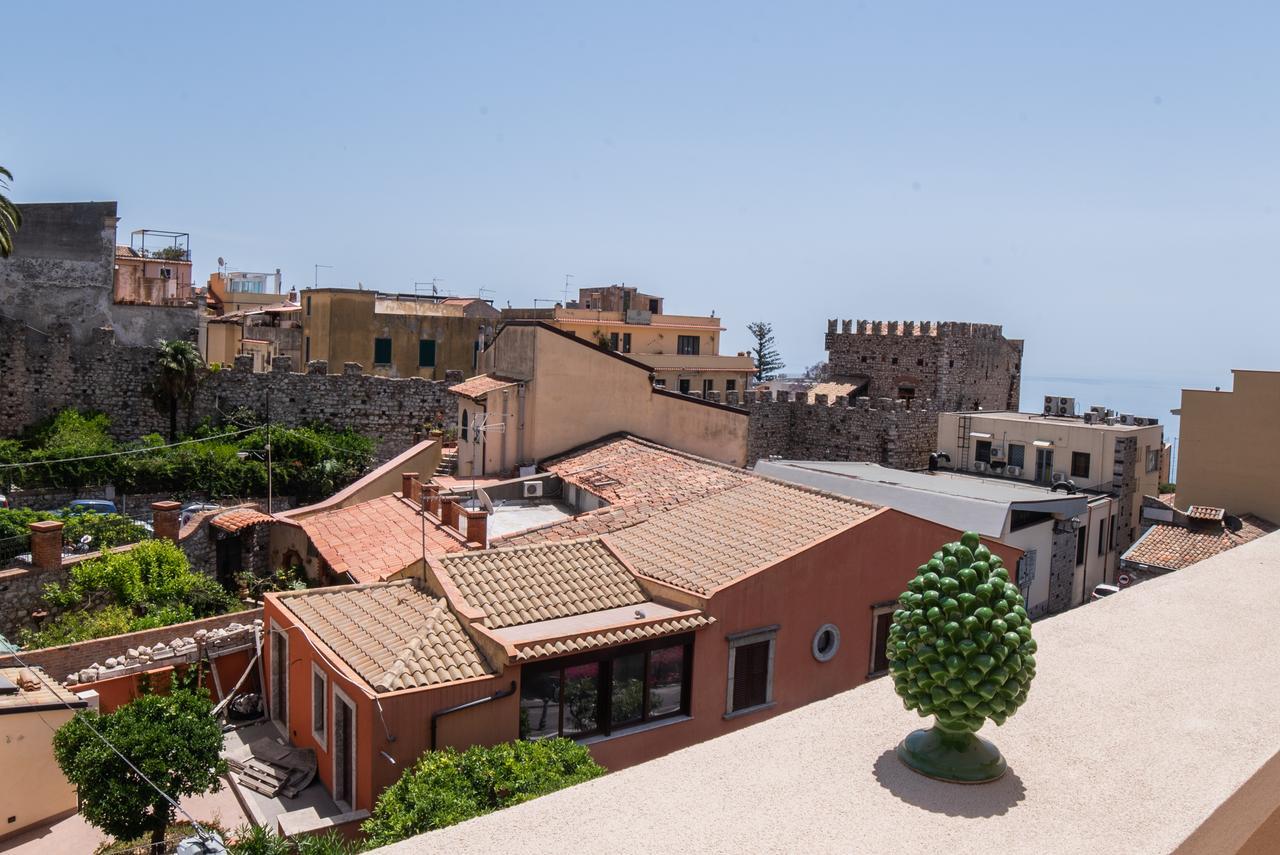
1101, 178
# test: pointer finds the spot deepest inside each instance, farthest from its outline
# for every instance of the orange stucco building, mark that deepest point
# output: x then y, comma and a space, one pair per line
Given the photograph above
694, 599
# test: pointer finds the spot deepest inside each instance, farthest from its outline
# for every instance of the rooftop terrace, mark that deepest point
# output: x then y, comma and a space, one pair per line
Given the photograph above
1152, 727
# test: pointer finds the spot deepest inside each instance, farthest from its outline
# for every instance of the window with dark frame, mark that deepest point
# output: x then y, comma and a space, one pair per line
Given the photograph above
308, 305
688, 345
982, 451
319, 693
684, 387
1082, 542
880, 640
1102, 536
626, 342
1079, 464
426, 353
306, 349
579, 697
1016, 455
731, 385
613, 342
708, 386
751, 675
382, 351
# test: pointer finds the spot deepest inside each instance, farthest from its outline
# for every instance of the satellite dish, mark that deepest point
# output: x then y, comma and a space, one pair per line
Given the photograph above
221, 262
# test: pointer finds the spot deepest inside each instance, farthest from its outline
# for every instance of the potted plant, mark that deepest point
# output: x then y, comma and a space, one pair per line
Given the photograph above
960, 650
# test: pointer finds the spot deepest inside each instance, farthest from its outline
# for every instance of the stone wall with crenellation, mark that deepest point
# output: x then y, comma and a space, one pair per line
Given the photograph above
47, 370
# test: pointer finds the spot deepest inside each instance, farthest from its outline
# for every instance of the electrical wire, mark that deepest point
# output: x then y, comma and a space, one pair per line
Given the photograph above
122, 453
38, 674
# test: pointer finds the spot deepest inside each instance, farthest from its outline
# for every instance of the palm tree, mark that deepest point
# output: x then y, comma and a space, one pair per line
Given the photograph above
10, 216
178, 366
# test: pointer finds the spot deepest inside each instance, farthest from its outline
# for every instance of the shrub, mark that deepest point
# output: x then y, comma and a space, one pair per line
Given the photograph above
447, 787
106, 530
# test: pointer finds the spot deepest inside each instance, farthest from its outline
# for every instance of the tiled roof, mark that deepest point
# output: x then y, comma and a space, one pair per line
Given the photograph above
563, 647
375, 539
480, 385
600, 521
1205, 512
394, 635
709, 542
630, 469
238, 518
524, 584
35, 688
1173, 547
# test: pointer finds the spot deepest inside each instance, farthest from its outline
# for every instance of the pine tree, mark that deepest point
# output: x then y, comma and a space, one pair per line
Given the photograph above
765, 353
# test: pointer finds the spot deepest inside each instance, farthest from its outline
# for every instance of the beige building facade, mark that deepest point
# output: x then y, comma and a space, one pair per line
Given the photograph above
545, 391
1229, 446
683, 351
1121, 460
395, 335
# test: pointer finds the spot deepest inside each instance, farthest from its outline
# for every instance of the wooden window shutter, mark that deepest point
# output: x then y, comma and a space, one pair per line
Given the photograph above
750, 675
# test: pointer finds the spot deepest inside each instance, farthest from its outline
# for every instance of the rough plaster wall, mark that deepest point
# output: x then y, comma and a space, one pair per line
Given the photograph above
63, 269
44, 373
1124, 485
959, 366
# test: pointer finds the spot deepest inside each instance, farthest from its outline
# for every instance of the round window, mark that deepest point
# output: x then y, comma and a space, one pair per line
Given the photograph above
826, 641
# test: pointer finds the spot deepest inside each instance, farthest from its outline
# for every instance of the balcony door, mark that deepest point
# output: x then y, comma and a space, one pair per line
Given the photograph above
1044, 465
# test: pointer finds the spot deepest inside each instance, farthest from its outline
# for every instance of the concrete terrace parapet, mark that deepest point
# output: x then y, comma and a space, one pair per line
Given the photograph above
1139, 736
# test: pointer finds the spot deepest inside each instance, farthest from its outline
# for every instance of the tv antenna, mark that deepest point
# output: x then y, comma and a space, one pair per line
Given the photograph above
567, 277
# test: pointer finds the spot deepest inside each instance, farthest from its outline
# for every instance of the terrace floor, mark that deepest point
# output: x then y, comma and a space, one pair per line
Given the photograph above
266, 810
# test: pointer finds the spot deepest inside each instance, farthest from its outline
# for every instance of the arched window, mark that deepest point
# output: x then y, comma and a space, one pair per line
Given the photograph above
464, 425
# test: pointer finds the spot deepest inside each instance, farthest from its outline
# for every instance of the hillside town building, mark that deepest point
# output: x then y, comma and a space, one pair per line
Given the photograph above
683, 351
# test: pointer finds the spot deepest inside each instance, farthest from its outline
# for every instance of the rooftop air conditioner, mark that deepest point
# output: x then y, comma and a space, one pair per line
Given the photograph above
1126, 418
1013, 471
1090, 417
979, 466
997, 451
1050, 404
1059, 476
532, 489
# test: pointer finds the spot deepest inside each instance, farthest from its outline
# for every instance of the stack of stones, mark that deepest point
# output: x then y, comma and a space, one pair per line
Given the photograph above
176, 652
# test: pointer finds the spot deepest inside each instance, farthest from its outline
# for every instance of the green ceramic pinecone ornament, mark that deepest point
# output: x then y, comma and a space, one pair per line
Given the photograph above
960, 647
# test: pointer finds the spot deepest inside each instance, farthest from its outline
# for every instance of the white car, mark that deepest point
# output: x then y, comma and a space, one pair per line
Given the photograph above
1101, 591
196, 508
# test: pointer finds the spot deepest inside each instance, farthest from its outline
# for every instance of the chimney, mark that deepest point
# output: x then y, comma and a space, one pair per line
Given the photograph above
46, 544
449, 512
409, 486
477, 526
165, 519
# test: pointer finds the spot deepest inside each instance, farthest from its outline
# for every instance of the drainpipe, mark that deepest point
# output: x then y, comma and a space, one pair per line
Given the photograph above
439, 714
520, 396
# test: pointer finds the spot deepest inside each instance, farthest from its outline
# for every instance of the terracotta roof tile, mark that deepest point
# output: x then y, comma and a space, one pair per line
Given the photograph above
525, 584
1172, 547
393, 634
630, 469
480, 385
709, 542
375, 539
592, 641
1205, 512
238, 518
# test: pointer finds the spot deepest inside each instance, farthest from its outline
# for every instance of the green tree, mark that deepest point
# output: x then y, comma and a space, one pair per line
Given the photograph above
765, 352
172, 739
177, 375
10, 216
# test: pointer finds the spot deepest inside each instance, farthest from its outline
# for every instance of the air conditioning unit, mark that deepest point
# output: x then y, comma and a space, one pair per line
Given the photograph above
1145, 421
1059, 476
1090, 417
1050, 404
532, 489
166, 272
1013, 471
997, 451
979, 466
1066, 406
1126, 419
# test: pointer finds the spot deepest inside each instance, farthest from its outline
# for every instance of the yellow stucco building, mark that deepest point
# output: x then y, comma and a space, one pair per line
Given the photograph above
1229, 446
395, 335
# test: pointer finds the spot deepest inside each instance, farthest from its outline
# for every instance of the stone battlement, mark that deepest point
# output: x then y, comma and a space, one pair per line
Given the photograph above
933, 329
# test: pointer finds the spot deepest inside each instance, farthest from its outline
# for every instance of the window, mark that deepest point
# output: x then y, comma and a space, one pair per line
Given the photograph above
613, 342
684, 387
464, 425
344, 749
279, 675
659, 383
653, 306
319, 691
1016, 455
688, 345
626, 342
906, 393
731, 385
750, 670
1102, 536
579, 697
1079, 464
826, 641
306, 349
382, 351
708, 386
1082, 540
1153, 459
894, 361
982, 451
308, 305
426, 353
862, 358
882, 619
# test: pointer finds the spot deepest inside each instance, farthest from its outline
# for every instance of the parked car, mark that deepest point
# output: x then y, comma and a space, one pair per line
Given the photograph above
1101, 591
194, 508
98, 506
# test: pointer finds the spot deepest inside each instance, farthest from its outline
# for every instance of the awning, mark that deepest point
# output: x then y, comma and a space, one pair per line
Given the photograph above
1042, 443
979, 434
